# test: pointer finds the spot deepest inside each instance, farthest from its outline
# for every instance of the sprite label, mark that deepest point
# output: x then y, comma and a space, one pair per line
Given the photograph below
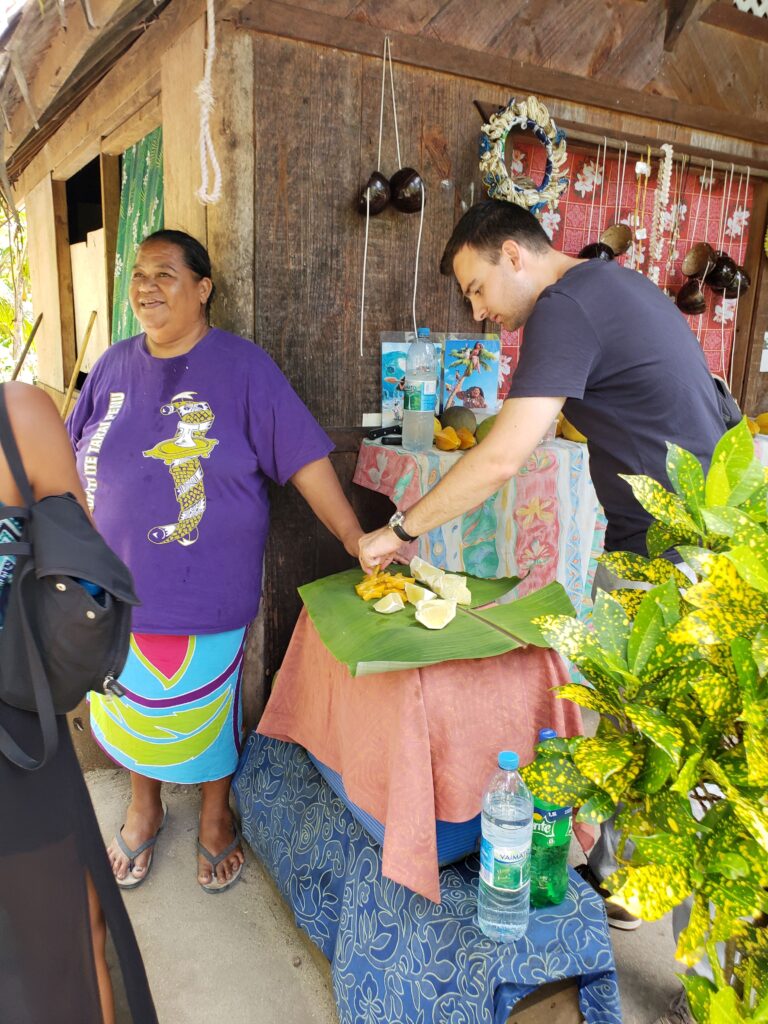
505, 868
420, 396
552, 826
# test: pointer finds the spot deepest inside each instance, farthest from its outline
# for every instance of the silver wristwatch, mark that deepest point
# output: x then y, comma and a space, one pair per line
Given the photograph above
396, 525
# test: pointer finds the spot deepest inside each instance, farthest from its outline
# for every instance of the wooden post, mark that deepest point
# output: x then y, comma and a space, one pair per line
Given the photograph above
78, 364
27, 346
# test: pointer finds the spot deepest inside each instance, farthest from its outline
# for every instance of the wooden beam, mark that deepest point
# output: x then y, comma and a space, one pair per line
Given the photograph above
725, 16
51, 278
279, 19
110, 219
134, 128
678, 13
750, 382
59, 59
181, 69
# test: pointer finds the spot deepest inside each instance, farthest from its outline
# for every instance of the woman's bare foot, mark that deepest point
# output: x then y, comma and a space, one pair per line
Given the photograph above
142, 820
217, 832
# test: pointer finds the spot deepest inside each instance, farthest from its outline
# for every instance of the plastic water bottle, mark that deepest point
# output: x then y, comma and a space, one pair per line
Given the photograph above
552, 831
503, 890
420, 396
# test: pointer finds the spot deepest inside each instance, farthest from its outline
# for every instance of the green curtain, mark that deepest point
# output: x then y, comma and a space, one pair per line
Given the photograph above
141, 212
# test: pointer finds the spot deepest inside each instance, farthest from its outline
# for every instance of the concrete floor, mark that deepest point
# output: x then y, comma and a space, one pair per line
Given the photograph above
239, 959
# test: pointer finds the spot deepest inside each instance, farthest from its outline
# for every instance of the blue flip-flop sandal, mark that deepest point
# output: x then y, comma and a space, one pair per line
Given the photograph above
131, 881
214, 887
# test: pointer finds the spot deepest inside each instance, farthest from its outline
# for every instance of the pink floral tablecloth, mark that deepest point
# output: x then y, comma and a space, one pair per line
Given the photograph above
416, 745
545, 524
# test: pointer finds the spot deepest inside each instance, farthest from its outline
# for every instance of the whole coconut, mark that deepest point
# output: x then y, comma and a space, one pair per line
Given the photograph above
457, 416
484, 428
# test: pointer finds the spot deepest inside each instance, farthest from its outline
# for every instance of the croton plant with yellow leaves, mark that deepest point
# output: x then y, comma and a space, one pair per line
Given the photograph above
679, 675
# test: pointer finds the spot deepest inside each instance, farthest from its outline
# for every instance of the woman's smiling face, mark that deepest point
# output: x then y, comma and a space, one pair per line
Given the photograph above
167, 298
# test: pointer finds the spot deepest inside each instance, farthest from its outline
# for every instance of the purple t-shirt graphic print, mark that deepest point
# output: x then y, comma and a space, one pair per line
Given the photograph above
175, 456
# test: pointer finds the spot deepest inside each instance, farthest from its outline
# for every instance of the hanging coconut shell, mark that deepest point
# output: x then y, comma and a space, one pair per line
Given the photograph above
739, 285
407, 190
597, 251
698, 259
690, 299
377, 188
722, 274
618, 238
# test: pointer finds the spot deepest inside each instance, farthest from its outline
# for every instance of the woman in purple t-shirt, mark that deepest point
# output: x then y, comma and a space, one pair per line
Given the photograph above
177, 433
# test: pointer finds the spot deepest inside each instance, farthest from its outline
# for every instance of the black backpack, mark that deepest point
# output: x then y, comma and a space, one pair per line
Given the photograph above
58, 640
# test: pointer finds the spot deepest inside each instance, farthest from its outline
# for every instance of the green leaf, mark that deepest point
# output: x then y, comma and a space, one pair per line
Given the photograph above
718, 488
686, 476
699, 991
689, 774
699, 559
557, 781
647, 632
718, 696
690, 944
756, 506
734, 452
368, 643
724, 1007
665, 848
660, 538
589, 697
599, 759
658, 728
760, 649
663, 505
672, 813
597, 809
725, 605
751, 565
649, 891
612, 625
750, 481
733, 522
655, 771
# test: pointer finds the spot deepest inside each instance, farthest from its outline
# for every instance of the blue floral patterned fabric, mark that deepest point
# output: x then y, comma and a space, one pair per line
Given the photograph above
397, 958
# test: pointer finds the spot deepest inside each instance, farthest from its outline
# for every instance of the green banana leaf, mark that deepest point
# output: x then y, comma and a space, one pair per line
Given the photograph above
368, 642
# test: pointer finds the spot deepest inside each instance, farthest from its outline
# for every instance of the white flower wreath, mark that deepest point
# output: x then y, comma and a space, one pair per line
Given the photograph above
528, 114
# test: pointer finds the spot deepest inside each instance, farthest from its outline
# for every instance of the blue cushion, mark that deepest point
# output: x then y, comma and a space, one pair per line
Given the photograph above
455, 839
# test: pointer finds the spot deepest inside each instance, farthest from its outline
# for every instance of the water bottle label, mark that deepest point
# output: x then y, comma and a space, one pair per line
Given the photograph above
503, 867
552, 826
420, 396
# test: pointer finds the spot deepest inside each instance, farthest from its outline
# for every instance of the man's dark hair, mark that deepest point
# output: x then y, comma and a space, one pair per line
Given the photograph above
194, 253
487, 225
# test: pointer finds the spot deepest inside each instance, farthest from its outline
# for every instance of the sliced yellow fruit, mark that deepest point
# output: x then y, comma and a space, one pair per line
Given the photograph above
390, 603
420, 569
437, 426
415, 593
453, 588
754, 426
762, 422
436, 614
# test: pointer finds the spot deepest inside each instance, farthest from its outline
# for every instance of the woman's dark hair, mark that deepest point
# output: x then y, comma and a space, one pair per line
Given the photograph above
487, 225
195, 256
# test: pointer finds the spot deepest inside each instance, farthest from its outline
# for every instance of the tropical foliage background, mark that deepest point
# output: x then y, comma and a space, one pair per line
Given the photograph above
679, 675
15, 297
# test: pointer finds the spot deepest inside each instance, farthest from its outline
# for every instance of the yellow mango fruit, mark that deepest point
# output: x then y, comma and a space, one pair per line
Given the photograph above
762, 422
437, 426
754, 426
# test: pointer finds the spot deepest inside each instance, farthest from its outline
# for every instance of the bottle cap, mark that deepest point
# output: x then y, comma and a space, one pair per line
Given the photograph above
422, 332
508, 760
547, 734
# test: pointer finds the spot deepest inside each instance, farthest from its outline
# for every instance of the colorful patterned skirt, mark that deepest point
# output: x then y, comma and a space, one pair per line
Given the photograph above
181, 717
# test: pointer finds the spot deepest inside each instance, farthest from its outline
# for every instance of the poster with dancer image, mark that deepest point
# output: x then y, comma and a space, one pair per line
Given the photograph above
471, 372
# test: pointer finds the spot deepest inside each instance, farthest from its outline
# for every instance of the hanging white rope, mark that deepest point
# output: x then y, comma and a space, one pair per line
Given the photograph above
418, 251
207, 194
368, 193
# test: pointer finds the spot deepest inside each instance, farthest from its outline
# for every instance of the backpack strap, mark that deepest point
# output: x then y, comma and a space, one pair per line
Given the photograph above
46, 715
11, 452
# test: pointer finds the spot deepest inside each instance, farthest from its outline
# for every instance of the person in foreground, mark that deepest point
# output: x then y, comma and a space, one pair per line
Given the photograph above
603, 344
57, 893
177, 433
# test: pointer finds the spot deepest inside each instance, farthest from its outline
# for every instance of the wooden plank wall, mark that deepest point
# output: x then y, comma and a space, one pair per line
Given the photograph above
313, 133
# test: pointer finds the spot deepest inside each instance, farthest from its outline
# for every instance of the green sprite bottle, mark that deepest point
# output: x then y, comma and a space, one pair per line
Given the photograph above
552, 831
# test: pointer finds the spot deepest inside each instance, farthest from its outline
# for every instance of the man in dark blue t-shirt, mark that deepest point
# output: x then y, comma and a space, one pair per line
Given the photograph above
602, 343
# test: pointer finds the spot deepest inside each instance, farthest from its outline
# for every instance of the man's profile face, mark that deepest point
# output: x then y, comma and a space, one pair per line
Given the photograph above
502, 292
